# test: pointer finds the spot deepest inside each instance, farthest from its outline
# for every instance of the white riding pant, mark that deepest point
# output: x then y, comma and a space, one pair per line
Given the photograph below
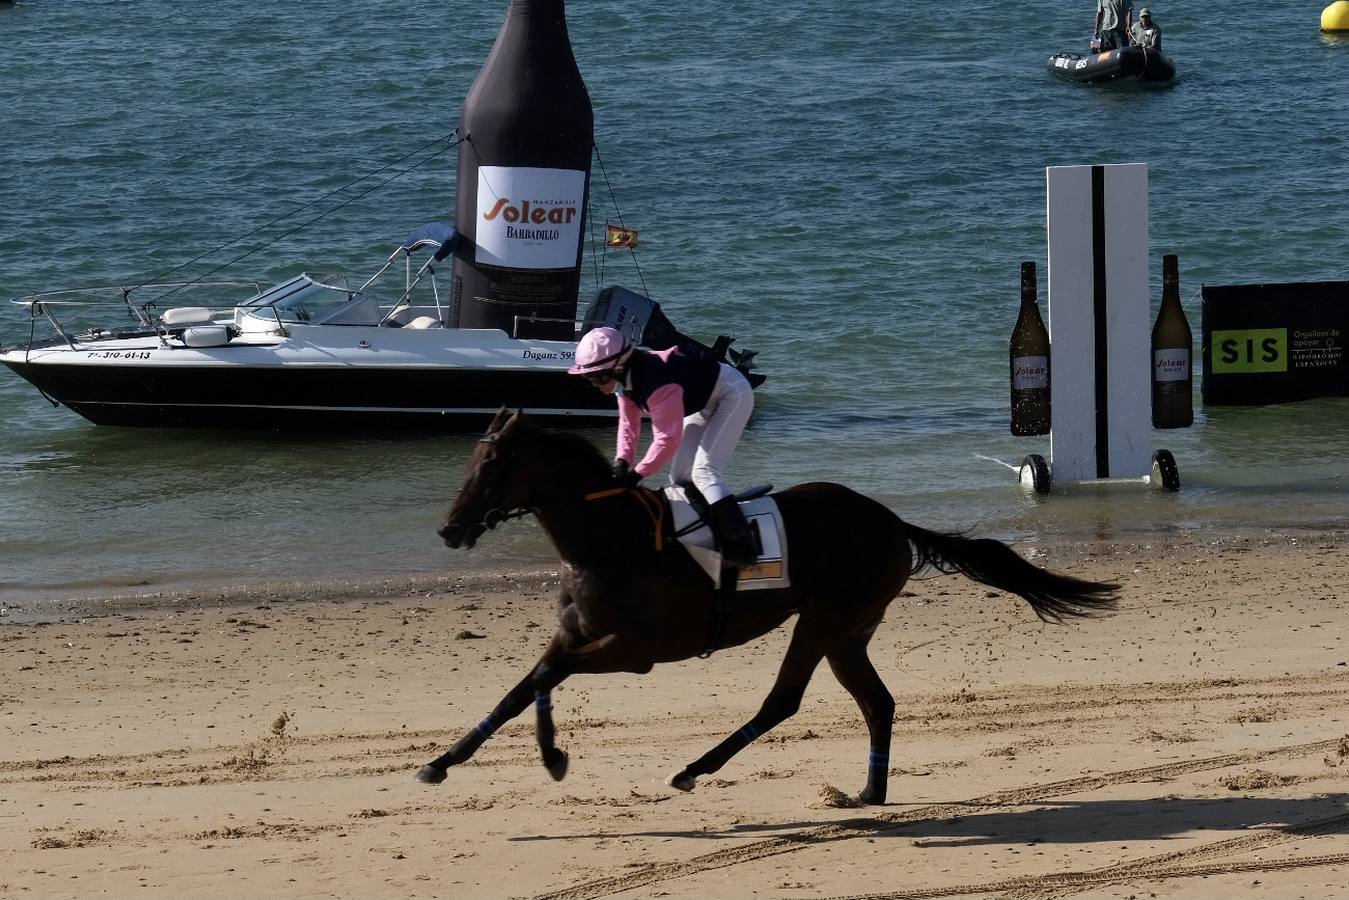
711, 435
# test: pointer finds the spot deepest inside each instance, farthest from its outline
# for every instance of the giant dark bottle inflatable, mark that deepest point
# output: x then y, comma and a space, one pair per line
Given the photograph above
524, 174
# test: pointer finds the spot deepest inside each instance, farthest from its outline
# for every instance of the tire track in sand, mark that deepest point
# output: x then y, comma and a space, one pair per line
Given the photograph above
882, 822
1041, 886
1194, 862
1180, 864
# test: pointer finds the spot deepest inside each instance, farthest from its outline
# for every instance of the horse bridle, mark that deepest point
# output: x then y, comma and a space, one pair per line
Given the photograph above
495, 516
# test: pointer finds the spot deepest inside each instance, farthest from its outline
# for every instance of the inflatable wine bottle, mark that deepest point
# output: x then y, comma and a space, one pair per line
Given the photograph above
1172, 367
524, 174
1029, 353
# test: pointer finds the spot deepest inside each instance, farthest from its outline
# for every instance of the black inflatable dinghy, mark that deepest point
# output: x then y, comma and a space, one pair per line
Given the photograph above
1129, 64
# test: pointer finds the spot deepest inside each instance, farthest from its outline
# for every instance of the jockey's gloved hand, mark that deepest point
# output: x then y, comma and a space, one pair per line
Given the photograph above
624, 474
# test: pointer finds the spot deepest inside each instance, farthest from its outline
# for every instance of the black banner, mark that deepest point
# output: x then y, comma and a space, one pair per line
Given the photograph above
1274, 343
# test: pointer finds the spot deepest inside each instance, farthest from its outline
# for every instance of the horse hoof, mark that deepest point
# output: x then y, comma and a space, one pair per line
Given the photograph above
555, 761
871, 798
430, 775
682, 781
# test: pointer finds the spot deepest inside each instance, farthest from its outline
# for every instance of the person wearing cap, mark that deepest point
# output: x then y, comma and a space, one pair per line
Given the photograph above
698, 407
1147, 33
1114, 19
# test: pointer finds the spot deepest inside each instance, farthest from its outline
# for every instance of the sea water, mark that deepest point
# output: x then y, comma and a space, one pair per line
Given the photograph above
848, 189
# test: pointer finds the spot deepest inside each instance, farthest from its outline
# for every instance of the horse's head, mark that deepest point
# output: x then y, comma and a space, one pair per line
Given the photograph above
493, 486
517, 469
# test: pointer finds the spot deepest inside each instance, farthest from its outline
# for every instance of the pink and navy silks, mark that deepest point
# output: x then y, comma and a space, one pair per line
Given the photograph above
667, 385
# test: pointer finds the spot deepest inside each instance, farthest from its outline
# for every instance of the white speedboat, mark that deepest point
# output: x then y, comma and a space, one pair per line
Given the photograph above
315, 352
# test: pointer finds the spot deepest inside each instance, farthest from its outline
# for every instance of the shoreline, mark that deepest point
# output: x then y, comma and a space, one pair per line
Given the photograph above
48, 604
290, 592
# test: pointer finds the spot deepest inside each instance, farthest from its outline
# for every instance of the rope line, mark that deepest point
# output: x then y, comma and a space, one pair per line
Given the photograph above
618, 214
441, 145
423, 154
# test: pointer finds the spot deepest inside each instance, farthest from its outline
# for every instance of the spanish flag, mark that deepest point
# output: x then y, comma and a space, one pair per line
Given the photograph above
618, 236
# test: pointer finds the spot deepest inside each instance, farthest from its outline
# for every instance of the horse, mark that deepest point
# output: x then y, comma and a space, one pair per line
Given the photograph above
632, 597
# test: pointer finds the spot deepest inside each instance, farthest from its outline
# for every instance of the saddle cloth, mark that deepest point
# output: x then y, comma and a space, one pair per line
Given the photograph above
769, 573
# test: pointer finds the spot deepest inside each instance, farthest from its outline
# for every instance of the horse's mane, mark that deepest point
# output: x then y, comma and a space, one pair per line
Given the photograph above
577, 451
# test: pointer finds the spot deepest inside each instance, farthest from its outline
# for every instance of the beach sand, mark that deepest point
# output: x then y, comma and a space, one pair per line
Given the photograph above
262, 742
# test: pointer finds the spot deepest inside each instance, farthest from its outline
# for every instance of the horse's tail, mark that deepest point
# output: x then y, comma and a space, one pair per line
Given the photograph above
1054, 597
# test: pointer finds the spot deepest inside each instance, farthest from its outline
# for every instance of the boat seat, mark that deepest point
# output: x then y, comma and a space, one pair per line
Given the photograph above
423, 322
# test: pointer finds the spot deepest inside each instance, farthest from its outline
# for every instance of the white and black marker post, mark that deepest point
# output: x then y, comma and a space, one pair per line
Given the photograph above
1099, 328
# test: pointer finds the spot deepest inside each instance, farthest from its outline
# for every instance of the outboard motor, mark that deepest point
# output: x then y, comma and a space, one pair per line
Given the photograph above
637, 316
640, 318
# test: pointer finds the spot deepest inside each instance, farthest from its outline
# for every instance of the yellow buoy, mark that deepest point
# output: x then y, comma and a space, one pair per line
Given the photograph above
1335, 17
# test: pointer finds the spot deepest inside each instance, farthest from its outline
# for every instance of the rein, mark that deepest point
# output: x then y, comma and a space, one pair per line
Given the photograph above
647, 497
650, 503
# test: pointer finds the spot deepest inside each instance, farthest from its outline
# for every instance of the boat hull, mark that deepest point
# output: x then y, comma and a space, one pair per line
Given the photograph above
319, 398
1129, 64
303, 382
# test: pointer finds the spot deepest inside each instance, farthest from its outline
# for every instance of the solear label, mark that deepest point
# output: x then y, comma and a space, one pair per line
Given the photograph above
529, 218
1171, 363
1030, 372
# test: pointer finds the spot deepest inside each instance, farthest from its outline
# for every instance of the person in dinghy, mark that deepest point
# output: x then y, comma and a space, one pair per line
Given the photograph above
698, 407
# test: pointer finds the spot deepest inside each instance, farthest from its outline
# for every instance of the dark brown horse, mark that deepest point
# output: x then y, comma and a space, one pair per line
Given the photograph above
631, 598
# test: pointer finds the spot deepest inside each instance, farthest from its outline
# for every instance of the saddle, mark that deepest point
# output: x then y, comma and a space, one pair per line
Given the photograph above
690, 519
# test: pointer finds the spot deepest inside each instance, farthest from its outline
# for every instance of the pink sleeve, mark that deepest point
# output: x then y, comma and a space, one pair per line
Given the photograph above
667, 427
629, 428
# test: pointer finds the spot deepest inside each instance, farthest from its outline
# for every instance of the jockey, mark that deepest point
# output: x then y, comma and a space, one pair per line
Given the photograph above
698, 408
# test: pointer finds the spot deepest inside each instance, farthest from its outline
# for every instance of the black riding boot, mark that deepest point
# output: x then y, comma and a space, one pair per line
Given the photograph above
737, 540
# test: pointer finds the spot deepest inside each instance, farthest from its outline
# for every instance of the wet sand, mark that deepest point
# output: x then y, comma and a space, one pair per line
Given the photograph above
262, 742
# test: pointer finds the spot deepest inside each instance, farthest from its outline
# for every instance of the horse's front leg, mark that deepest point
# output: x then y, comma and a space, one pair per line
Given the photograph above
510, 706
554, 759
592, 657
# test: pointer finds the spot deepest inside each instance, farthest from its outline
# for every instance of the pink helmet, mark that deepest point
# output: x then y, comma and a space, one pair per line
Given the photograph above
600, 350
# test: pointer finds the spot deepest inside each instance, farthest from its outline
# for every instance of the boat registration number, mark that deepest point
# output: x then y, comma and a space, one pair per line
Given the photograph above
120, 354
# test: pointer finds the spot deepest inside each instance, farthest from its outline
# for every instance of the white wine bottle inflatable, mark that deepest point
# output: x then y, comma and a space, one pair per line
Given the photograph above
528, 134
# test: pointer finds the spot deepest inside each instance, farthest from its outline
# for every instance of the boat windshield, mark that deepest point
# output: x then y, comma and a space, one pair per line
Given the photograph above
303, 299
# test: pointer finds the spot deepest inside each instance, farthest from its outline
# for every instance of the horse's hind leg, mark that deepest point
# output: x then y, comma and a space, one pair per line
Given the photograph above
858, 676
782, 702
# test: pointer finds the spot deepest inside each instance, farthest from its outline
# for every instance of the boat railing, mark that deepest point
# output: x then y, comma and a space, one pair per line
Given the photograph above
412, 278
46, 302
